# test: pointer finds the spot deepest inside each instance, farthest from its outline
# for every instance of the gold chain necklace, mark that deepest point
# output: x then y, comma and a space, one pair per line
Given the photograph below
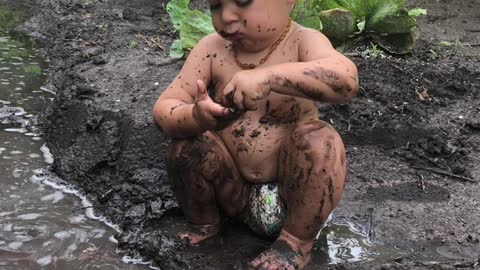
272, 49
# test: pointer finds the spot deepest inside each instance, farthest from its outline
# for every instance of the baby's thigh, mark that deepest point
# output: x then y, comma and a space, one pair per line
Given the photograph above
206, 158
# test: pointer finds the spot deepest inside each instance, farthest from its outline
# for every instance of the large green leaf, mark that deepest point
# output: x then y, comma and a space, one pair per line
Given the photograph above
196, 27
338, 24
396, 43
381, 10
178, 11
417, 12
305, 12
396, 23
176, 49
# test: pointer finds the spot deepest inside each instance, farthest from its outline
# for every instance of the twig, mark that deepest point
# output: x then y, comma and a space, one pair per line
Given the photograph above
422, 182
446, 173
370, 226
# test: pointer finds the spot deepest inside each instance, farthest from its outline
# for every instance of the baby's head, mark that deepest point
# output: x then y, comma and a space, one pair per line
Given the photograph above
250, 22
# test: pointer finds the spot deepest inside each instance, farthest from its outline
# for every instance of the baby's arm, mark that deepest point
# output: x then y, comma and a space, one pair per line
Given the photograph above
184, 109
322, 74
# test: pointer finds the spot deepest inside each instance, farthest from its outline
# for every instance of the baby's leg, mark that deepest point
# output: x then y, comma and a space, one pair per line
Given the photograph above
312, 170
205, 178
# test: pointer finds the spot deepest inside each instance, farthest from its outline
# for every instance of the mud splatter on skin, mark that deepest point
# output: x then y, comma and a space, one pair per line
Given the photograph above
255, 133
240, 132
175, 107
330, 78
241, 147
328, 148
281, 254
288, 112
309, 92
331, 190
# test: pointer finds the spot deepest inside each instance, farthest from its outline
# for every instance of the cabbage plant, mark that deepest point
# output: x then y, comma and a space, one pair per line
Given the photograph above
385, 22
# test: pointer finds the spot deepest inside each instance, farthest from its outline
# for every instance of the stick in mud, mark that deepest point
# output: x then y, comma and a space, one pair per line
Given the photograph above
446, 173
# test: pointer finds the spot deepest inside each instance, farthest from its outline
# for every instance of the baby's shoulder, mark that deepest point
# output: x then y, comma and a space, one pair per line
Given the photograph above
211, 42
307, 34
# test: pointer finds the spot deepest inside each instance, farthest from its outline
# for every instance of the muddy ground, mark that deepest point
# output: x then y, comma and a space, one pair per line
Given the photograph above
412, 134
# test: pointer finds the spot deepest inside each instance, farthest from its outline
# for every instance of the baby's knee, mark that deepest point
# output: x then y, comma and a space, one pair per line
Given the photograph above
314, 134
185, 153
201, 155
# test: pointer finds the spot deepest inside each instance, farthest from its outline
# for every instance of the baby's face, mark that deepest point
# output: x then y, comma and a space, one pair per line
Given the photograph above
250, 23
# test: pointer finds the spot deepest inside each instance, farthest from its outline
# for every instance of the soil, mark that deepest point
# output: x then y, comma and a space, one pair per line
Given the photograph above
412, 134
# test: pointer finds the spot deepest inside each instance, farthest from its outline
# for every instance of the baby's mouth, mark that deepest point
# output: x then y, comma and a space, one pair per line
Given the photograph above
232, 36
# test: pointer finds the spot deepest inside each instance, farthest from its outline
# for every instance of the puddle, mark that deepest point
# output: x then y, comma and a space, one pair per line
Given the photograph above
38, 227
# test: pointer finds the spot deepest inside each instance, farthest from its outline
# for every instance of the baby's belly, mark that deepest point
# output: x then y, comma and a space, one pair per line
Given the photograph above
255, 148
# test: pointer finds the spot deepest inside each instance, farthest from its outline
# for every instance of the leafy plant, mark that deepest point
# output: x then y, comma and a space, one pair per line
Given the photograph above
9, 19
375, 51
385, 22
132, 44
192, 25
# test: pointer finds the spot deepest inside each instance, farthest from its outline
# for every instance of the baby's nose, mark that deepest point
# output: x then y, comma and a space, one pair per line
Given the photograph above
229, 16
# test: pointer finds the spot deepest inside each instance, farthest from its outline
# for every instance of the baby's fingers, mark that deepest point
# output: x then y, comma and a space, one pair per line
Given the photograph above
249, 104
202, 93
217, 110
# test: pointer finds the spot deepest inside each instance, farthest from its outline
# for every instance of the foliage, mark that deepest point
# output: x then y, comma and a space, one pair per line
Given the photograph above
9, 19
386, 22
192, 25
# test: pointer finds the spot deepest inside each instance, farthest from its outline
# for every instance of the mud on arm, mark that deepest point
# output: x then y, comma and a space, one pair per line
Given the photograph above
322, 73
173, 111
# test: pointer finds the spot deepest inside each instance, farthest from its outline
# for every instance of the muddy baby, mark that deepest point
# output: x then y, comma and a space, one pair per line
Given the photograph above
257, 125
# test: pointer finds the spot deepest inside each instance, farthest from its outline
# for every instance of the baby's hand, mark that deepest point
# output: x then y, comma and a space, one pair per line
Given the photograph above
208, 114
245, 88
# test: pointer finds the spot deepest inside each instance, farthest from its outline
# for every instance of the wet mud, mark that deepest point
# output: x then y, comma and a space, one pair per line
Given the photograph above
412, 136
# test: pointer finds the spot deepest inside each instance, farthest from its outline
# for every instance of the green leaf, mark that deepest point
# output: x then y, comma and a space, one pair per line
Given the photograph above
393, 23
132, 44
396, 43
305, 13
176, 49
446, 43
9, 19
196, 27
361, 26
417, 12
338, 24
380, 11
311, 22
178, 10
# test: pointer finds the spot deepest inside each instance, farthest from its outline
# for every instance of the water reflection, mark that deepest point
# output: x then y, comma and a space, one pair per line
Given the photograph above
38, 229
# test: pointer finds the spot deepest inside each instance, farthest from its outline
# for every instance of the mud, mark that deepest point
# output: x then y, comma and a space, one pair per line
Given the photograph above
412, 134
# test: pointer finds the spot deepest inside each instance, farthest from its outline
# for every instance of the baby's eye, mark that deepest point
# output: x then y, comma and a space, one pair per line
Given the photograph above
243, 3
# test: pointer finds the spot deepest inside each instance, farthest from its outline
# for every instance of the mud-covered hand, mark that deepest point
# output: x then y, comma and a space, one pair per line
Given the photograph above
208, 114
246, 88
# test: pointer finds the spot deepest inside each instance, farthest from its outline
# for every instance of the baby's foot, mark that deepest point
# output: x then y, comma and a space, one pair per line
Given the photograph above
283, 254
197, 233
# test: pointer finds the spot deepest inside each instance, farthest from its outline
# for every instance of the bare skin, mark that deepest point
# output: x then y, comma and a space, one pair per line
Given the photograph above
216, 155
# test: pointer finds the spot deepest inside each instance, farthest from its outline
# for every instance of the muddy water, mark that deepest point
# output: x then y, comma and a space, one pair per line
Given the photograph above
40, 227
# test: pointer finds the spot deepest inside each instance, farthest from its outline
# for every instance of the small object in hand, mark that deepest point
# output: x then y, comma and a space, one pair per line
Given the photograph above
233, 109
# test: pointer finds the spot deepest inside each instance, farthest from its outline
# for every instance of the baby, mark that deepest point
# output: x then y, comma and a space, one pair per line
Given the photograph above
257, 124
